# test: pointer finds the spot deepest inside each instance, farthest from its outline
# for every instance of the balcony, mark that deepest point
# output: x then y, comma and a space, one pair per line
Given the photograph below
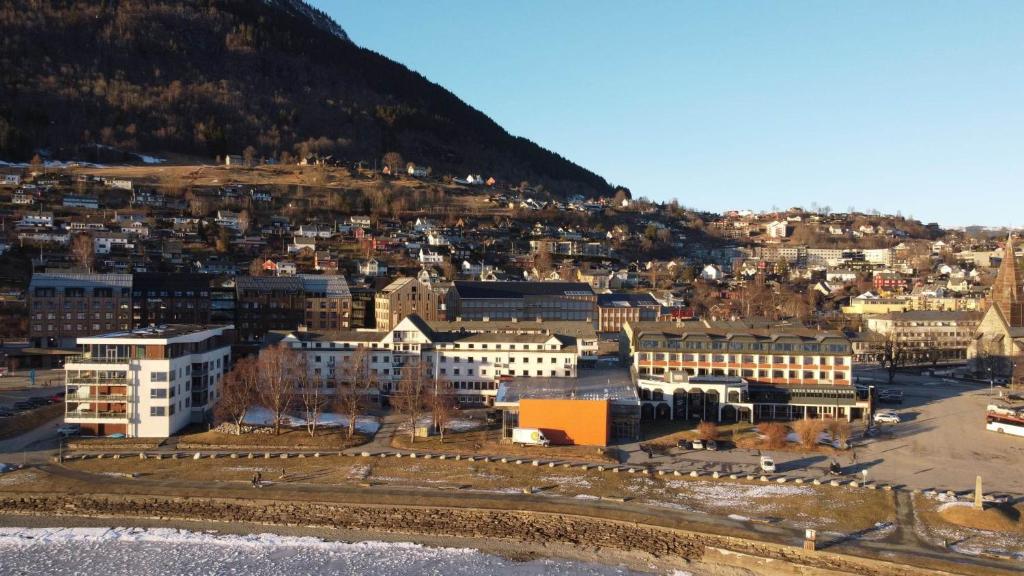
96, 381
93, 415
71, 398
90, 359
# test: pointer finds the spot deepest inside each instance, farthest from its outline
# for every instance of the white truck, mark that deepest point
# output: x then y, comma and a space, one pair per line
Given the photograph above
529, 437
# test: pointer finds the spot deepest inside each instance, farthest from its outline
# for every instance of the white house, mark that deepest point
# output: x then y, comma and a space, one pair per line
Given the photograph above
777, 229
373, 268
12, 179
426, 256
300, 243
227, 219
103, 243
712, 272
36, 220
147, 383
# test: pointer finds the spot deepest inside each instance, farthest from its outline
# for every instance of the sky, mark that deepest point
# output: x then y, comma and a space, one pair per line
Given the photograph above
903, 107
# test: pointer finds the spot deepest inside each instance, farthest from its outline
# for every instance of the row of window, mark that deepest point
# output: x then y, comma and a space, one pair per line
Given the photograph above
745, 359
739, 346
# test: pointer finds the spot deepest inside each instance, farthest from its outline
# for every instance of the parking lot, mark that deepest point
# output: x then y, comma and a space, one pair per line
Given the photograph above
942, 442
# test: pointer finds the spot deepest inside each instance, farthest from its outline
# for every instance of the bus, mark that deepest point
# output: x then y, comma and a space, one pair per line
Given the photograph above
1005, 420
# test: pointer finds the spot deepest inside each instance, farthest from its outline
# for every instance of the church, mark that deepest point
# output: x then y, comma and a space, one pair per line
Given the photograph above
999, 342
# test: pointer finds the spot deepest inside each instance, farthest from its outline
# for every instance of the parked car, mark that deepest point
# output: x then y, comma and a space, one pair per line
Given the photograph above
698, 444
891, 396
684, 444
887, 418
58, 397
22, 405
834, 468
65, 430
767, 464
39, 401
711, 445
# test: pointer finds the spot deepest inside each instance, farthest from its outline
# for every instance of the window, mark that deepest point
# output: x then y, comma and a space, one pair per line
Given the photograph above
156, 410
158, 393
158, 376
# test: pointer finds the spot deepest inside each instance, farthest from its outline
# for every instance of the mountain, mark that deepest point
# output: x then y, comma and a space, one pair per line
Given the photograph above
208, 78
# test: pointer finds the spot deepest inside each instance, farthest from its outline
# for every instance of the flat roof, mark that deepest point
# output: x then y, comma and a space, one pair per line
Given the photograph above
490, 290
612, 384
154, 333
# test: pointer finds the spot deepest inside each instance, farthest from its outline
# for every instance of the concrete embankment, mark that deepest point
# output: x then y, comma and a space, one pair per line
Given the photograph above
531, 528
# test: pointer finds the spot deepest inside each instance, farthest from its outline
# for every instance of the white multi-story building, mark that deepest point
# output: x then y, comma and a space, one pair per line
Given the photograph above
147, 383
473, 362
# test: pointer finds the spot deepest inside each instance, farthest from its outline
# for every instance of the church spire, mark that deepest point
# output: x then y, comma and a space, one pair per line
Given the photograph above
1006, 291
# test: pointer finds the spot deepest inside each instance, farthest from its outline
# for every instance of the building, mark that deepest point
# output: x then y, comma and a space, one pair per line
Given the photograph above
163, 298
146, 383
729, 371
474, 300
66, 306
265, 303
595, 409
87, 202
998, 344
406, 296
927, 336
328, 302
473, 362
614, 310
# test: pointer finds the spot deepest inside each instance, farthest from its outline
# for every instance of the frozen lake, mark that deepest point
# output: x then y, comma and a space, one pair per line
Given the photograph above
167, 551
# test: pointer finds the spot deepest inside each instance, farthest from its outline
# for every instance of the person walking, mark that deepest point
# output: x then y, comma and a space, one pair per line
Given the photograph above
259, 480
253, 481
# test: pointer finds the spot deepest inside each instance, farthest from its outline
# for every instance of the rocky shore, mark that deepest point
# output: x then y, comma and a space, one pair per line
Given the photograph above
640, 546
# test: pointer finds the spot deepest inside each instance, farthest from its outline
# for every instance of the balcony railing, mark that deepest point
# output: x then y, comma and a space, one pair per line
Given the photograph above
90, 359
97, 398
94, 381
91, 415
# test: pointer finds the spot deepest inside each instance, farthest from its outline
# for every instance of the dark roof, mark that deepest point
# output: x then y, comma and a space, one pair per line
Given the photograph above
625, 300
471, 289
168, 281
269, 283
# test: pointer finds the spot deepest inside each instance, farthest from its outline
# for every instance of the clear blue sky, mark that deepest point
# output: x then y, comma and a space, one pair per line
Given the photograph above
904, 106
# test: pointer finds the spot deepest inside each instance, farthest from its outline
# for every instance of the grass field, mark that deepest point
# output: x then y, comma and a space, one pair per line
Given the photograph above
329, 439
488, 442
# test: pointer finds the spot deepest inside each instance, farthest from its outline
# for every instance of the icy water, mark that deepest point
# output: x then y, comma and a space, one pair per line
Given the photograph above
166, 551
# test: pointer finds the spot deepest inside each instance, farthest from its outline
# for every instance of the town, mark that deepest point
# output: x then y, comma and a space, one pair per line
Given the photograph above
513, 289
226, 310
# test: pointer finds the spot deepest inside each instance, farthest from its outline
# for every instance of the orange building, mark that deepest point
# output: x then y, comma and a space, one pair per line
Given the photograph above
586, 422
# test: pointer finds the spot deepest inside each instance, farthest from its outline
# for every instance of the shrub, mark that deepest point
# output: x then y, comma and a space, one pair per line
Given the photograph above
840, 431
808, 431
774, 433
707, 431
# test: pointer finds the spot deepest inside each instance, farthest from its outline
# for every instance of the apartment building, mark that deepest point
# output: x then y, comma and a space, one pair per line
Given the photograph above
731, 371
65, 306
163, 298
470, 300
146, 383
405, 296
928, 336
328, 302
615, 310
266, 303
473, 362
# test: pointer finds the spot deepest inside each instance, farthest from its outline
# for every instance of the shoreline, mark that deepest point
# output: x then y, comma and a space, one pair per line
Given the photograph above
513, 551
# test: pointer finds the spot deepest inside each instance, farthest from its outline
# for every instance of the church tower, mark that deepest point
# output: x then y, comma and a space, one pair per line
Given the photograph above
1006, 292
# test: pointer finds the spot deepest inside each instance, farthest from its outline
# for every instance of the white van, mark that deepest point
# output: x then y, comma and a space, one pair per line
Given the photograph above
529, 437
767, 464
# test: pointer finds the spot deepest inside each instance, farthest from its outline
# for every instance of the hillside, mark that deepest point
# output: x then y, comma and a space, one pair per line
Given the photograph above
207, 78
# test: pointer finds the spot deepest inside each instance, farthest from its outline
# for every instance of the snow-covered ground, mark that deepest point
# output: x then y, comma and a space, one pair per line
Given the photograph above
159, 551
455, 425
259, 416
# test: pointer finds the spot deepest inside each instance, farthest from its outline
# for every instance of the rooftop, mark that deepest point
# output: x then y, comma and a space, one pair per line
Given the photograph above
163, 332
79, 280
474, 289
612, 384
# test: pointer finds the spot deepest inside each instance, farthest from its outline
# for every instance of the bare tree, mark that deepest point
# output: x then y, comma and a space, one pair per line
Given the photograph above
840, 431
83, 251
410, 399
244, 221
278, 368
393, 162
442, 403
358, 379
256, 266
314, 401
249, 156
239, 392
707, 431
774, 433
892, 355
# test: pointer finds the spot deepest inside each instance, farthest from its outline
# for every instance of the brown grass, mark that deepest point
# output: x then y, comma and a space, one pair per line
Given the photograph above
808, 431
29, 420
774, 434
331, 439
488, 442
995, 518
103, 443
